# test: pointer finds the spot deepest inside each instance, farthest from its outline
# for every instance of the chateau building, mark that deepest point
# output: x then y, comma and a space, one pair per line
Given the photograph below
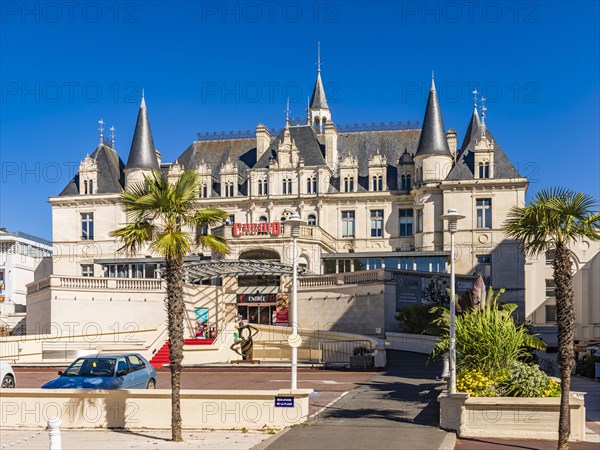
371, 198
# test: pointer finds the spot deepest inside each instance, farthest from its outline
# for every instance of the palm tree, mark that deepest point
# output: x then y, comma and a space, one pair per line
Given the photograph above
552, 221
158, 214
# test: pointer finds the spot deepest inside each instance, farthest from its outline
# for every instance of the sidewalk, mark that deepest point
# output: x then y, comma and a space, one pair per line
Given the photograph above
103, 439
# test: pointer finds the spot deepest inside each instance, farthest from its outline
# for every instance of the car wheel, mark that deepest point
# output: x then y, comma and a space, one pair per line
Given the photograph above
8, 382
151, 384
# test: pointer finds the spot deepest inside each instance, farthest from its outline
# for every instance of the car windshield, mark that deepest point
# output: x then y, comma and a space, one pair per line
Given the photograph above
91, 367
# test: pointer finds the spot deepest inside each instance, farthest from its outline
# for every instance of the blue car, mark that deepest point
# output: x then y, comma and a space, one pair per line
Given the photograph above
126, 371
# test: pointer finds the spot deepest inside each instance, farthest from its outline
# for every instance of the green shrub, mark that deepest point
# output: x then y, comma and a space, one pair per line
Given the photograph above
589, 366
524, 380
416, 319
487, 339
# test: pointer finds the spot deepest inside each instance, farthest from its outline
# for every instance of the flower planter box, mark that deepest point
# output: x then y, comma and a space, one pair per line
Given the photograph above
509, 417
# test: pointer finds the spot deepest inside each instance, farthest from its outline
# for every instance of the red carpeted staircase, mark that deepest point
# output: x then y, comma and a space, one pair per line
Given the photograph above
161, 357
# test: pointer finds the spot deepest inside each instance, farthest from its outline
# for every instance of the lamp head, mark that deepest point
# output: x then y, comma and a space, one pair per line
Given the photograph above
452, 216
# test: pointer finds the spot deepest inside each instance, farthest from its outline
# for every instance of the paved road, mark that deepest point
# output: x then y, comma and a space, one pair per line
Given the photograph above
396, 409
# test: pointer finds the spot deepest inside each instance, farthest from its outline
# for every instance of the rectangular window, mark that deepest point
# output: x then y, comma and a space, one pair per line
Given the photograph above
550, 313
87, 226
377, 223
484, 212
405, 217
347, 224
231, 219
550, 288
419, 220
484, 268
550, 258
87, 270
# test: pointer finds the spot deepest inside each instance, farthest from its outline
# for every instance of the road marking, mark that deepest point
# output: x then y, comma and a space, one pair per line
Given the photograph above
309, 381
327, 405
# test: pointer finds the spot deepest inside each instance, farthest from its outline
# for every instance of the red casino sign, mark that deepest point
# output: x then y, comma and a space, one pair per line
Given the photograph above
272, 228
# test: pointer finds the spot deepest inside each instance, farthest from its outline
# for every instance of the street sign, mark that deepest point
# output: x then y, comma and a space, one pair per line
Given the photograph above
284, 402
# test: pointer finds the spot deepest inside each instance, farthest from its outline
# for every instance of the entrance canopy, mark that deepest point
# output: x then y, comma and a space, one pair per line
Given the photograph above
197, 272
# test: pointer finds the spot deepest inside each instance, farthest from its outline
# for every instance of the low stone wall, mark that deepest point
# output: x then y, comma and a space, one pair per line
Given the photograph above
508, 417
417, 343
151, 409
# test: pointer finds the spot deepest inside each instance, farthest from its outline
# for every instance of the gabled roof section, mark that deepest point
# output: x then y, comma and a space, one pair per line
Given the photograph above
142, 154
307, 142
318, 99
464, 169
433, 135
110, 173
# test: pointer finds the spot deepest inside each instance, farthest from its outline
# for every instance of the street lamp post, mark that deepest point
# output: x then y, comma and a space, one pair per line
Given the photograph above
452, 217
294, 340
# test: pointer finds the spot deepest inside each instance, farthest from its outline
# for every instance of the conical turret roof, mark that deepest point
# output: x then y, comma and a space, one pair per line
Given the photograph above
473, 130
433, 136
318, 99
142, 154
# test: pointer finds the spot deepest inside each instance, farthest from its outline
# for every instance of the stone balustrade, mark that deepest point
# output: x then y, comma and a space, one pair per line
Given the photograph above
96, 283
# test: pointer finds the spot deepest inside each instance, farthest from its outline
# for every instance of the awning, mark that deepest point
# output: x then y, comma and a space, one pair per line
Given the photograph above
197, 272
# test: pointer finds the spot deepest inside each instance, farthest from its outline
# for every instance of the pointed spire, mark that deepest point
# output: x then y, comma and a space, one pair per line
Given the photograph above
112, 136
483, 110
433, 134
142, 154
318, 99
307, 110
473, 130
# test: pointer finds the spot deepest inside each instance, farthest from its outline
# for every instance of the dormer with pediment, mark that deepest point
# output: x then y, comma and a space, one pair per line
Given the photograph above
348, 173
288, 155
406, 171
228, 176
175, 171
377, 172
483, 153
205, 180
88, 176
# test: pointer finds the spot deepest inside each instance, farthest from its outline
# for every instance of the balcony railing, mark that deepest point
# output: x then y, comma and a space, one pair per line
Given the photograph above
94, 283
362, 277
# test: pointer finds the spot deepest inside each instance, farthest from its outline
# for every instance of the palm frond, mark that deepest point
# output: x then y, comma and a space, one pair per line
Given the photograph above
171, 244
134, 236
217, 244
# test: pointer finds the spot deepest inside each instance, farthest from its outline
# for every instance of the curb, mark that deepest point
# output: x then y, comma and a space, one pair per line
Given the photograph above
267, 442
449, 442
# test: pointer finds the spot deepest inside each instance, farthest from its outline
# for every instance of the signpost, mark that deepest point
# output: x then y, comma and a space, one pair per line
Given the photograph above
284, 402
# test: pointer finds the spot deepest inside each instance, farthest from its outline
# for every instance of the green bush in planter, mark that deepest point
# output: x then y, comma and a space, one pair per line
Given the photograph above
524, 380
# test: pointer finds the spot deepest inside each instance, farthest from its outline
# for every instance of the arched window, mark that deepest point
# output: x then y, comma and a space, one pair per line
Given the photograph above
229, 189
263, 187
311, 185
377, 183
263, 219
348, 184
287, 186
312, 219
484, 169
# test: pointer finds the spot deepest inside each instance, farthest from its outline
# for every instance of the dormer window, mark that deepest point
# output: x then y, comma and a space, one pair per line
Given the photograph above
377, 183
287, 186
88, 186
229, 189
484, 169
348, 184
263, 187
406, 182
312, 220
203, 191
311, 185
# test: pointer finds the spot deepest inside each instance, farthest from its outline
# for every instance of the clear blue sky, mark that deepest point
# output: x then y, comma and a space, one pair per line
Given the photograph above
211, 66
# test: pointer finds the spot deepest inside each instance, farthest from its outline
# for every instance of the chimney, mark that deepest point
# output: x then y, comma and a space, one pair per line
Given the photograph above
331, 145
263, 140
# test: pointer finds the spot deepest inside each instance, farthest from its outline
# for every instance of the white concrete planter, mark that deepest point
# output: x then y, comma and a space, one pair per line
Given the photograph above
508, 417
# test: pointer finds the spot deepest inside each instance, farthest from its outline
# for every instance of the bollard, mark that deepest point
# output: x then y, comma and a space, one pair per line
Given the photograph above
54, 424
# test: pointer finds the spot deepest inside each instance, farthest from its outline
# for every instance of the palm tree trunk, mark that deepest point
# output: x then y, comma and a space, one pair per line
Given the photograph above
175, 313
565, 317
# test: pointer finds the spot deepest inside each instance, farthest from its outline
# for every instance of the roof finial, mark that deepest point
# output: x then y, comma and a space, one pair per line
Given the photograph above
143, 103
112, 136
308, 110
432, 81
101, 129
319, 56
483, 110
475, 98
287, 113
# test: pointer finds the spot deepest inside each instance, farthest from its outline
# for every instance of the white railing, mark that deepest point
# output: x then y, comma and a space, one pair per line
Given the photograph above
91, 283
361, 277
